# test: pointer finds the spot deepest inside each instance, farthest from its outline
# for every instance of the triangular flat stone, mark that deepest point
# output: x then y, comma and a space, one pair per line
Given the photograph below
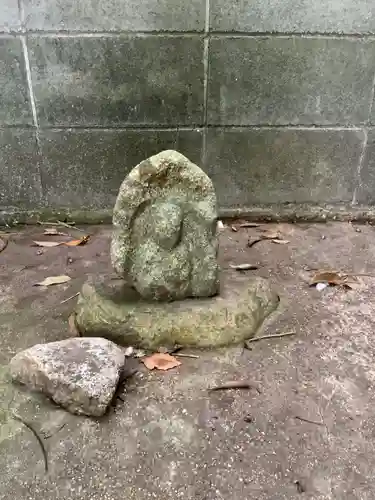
80, 374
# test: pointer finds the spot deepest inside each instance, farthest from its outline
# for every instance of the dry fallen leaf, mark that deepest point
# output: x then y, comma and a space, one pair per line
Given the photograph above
160, 361
53, 280
273, 236
52, 231
333, 278
72, 243
234, 229
251, 242
244, 267
76, 243
47, 243
280, 242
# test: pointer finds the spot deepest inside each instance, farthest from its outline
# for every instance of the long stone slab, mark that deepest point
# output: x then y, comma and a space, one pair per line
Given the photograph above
325, 16
366, 186
277, 166
115, 15
14, 99
84, 168
20, 180
9, 16
118, 80
290, 81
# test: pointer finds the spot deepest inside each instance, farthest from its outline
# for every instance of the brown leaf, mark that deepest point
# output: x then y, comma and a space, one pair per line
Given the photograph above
253, 241
47, 243
266, 235
3, 244
249, 224
160, 361
53, 280
244, 267
333, 278
281, 242
52, 231
76, 243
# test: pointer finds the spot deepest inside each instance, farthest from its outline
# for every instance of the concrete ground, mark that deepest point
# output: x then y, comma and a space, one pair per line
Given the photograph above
309, 433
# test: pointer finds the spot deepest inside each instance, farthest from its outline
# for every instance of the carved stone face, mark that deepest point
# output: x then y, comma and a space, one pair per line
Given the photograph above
165, 241
160, 222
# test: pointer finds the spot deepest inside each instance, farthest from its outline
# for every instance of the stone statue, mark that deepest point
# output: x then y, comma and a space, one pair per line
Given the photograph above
164, 248
165, 219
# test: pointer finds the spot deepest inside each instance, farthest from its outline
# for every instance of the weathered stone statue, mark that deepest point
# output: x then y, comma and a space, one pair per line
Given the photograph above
164, 242
164, 249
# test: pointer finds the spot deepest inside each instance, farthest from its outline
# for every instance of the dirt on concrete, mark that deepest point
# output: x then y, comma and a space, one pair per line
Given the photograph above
308, 434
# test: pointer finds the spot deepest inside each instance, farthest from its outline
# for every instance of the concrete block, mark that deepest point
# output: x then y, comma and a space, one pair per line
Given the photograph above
83, 169
366, 191
115, 15
9, 16
117, 81
14, 99
288, 16
20, 180
372, 113
296, 81
268, 166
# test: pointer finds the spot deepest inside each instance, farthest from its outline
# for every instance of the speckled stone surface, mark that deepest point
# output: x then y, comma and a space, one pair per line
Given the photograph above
79, 374
164, 242
109, 310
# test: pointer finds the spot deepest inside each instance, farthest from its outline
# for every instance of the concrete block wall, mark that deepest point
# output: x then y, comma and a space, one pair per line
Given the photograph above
273, 98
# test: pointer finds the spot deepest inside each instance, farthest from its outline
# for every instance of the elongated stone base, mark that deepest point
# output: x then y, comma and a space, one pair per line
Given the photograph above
112, 311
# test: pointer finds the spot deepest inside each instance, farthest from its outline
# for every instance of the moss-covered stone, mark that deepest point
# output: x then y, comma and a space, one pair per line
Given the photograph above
164, 241
117, 313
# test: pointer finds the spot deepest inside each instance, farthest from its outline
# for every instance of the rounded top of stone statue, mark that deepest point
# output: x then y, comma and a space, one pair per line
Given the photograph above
164, 172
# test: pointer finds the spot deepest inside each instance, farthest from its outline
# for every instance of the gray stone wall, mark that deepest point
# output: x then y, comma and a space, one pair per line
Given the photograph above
273, 98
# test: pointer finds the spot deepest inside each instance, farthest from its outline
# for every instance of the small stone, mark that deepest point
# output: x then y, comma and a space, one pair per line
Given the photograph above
129, 351
165, 230
321, 286
80, 374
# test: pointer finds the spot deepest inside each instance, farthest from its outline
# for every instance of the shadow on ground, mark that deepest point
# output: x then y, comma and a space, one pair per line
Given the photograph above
170, 438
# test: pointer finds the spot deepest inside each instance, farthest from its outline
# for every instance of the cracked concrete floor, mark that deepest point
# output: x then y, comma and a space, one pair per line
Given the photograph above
170, 438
